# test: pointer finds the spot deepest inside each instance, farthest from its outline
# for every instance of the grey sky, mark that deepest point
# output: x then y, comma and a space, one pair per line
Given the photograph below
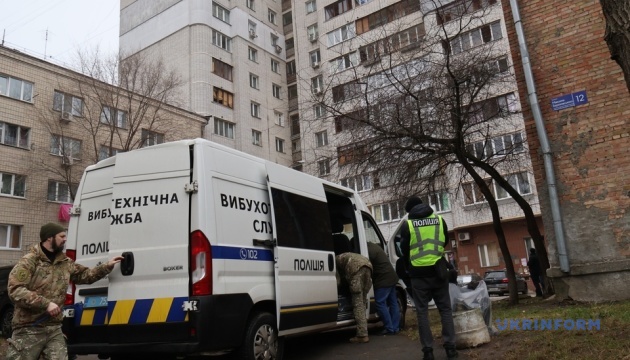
71, 25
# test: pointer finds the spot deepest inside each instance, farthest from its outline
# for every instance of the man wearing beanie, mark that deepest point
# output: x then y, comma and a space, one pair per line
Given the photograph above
422, 244
37, 286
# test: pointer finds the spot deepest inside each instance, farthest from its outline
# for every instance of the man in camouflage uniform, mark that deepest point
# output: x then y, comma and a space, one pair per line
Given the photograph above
356, 270
37, 286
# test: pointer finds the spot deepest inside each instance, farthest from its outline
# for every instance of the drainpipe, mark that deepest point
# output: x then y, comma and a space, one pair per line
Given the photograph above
544, 141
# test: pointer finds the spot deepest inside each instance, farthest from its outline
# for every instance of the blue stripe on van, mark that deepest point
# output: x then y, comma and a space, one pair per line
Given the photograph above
239, 253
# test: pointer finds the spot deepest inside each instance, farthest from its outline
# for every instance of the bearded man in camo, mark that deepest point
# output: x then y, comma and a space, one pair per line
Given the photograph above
37, 286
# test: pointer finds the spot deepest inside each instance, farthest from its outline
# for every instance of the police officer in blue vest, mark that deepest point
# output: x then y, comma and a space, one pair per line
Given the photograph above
422, 244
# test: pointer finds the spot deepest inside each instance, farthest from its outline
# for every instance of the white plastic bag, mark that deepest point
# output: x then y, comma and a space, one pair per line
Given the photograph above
463, 298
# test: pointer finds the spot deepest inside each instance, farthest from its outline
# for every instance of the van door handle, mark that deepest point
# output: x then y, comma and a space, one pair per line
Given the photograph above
268, 243
127, 263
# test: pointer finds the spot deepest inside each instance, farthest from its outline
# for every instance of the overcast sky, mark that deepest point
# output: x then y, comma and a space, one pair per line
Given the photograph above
71, 25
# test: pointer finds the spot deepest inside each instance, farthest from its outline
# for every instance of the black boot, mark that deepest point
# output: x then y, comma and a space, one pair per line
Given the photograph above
451, 353
428, 353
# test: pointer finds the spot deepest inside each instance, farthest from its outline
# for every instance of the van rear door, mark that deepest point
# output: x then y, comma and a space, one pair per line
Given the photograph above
150, 218
306, 285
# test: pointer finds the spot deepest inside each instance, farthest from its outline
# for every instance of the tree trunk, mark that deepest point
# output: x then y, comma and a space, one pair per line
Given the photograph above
617, 14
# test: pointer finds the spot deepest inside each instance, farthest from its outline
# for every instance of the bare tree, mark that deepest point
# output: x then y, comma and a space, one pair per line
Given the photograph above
111, 106
432, 107
617, 14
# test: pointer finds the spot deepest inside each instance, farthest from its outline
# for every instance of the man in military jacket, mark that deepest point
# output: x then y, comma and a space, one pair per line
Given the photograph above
356, 270
37, 286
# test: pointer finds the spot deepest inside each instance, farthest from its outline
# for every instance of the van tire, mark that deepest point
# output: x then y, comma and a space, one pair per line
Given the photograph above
261, 339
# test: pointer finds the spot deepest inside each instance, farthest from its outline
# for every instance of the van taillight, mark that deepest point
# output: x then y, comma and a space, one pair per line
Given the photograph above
72, 254
505, 280
200, 264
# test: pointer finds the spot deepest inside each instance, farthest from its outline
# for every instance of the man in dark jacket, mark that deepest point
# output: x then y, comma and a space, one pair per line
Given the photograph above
422, 244
534, 271
384, 280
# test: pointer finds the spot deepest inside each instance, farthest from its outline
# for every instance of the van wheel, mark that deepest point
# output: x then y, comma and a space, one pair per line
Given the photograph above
261, 339
402, 307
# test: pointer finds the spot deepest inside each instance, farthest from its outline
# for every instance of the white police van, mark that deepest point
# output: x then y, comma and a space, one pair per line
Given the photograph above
222, 252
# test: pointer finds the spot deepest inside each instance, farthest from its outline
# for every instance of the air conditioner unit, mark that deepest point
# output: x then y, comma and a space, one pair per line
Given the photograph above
315, 64
66, 117
278, 49
67, 160
463, 236
312, 37
252, 34
317, 91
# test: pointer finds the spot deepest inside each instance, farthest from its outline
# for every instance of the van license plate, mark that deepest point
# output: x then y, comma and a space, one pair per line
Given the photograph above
493, 289
95, 301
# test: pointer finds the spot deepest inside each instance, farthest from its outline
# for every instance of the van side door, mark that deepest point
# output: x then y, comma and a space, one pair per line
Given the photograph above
306, 285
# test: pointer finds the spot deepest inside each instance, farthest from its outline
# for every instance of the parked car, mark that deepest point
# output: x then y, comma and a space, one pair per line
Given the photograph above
497, 282
6, 307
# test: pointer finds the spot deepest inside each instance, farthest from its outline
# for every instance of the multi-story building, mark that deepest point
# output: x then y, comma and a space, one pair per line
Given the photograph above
52, 126
237, 57
231, 57
589, 141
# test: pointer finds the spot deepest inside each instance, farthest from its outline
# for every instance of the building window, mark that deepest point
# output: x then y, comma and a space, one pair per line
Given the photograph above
151, 138
311, 6
279, 118
16, 88
321, 138
291, 70
279, 145
488, 255
324, 167
275, 66
497, 146
223, 97
289, 44
315, 58
276, 90
313, 32
292, 92
250, 4
358, 183
67, 103
476, 37
10, 236
519, 181
105, 151
271, 15
345, 62
274, 40
337, 8
317, 84
295, 124
287, 18
388, 212
220, 13
457, 9
319, 110
256, 137
60, 191
221, 40
251, 26
472, 193
113, 116
252, 54
341, 34
12, 184
438, 201
346, 91
386, 15
14, 135
500, 106
296, 146
222, 69
64, 146
529, 244
223, 128
255, 109
253, 81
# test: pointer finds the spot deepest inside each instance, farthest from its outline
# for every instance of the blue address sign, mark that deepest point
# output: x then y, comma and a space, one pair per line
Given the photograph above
569, 100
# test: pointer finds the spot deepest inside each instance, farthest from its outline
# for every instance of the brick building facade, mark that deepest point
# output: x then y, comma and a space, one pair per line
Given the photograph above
43, 106
590, 143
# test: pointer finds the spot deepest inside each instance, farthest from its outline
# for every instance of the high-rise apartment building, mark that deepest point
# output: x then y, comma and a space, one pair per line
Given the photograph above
274, 76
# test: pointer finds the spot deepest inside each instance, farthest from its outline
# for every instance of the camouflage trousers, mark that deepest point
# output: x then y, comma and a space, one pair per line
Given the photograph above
28, 343
360, 285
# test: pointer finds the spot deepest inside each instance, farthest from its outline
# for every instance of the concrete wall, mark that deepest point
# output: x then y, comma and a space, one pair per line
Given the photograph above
590, 144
